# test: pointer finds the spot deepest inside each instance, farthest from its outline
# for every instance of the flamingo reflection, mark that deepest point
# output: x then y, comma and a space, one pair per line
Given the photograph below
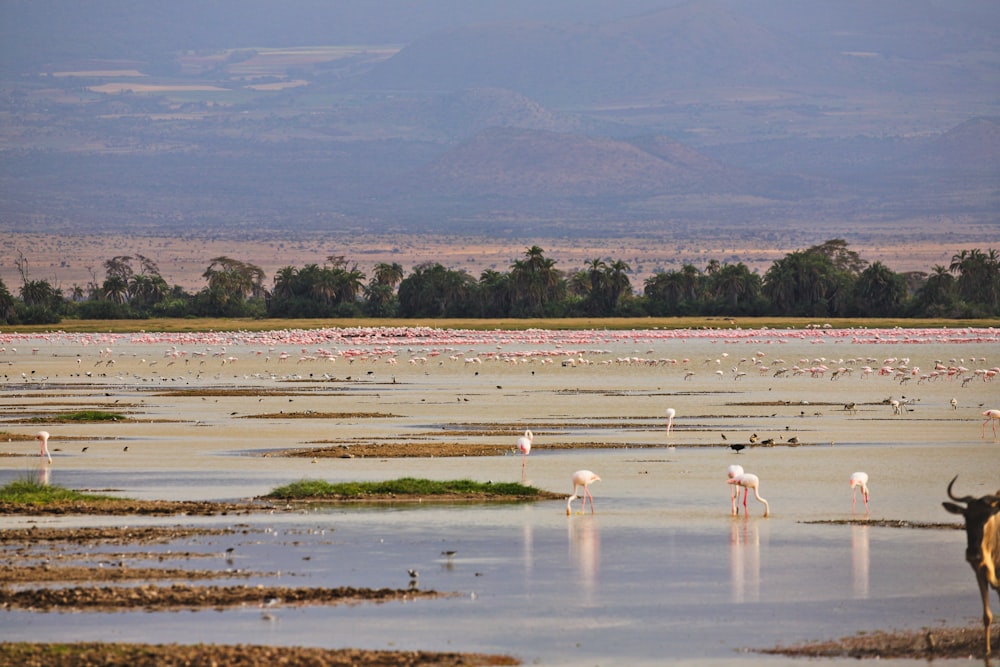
860, 560
44, 475
585, 554
744, 560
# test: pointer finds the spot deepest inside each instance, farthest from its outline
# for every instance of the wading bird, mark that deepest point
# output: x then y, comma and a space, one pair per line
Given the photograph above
582, 478
859, 480
748, 481
734, 492
991, 416
671, 413
43, 437
524, 446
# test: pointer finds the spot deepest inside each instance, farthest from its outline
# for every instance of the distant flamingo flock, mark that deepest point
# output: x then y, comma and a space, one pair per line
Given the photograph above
428, 345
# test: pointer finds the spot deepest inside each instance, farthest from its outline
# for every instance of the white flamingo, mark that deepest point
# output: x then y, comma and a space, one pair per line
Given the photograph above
749, 481
43, 437
671, 413
582, 478
734, 493
859, 480
991, 416
524, 446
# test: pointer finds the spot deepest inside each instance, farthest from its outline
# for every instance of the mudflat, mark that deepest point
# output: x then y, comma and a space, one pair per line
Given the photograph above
196, 427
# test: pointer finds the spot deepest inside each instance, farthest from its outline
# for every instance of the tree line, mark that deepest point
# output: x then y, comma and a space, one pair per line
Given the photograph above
825, 280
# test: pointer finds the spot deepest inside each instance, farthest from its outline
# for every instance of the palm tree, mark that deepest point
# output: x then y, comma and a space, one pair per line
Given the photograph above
618, 282
231, 281
284, 283
733, 282
351, 283
8, 313
536, 282
116, 289
979, 277
879, 292
664, 292
691, 278
495, 295
387, 274
937, 295
596, 274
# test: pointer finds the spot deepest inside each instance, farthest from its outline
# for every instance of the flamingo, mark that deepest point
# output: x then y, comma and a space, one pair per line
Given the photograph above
991, 416
748, 481
43, 437
859, 480
734, 493
671, 413
582, 478
524, 446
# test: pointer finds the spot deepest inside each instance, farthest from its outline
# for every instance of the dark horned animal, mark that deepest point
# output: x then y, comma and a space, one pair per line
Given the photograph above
982, 528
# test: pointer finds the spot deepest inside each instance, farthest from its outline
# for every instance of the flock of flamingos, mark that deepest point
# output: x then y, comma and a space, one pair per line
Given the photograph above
418, 345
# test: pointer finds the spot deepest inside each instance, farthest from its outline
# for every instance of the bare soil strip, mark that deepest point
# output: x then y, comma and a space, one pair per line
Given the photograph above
178, 655
937, 644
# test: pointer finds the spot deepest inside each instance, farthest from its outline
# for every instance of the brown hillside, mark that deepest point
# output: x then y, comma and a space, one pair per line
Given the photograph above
973, 145
520, 162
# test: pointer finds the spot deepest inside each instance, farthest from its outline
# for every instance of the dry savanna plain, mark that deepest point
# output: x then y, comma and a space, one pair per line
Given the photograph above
68, 259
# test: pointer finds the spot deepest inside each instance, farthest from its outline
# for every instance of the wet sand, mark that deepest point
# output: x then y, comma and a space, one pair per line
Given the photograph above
227, 418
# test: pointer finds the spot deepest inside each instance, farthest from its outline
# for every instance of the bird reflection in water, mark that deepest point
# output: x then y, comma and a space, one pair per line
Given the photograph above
44, 475
744, 560
585, 553
860, 560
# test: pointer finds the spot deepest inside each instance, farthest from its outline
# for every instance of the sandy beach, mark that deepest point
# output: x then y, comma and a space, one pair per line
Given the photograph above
656, 573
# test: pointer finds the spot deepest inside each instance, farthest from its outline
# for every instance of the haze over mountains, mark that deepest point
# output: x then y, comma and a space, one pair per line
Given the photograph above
569, 117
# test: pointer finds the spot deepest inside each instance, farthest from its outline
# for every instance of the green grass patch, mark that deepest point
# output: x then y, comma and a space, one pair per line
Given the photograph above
403, 487
32, 492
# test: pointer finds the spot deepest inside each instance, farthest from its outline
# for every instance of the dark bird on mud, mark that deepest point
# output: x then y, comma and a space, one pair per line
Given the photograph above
753, 438
737, 448
793, 440
723, 436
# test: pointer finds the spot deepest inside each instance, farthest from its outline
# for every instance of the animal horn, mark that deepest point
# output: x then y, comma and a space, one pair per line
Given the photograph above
966, 499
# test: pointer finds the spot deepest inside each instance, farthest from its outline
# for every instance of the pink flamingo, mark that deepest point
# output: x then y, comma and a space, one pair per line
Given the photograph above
991, 416
859, 480
748, 481
734, 493
671, 413
43, 437
582, 478
524, 446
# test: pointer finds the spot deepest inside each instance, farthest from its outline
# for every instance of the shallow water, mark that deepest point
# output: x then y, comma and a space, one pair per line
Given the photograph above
660, 573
